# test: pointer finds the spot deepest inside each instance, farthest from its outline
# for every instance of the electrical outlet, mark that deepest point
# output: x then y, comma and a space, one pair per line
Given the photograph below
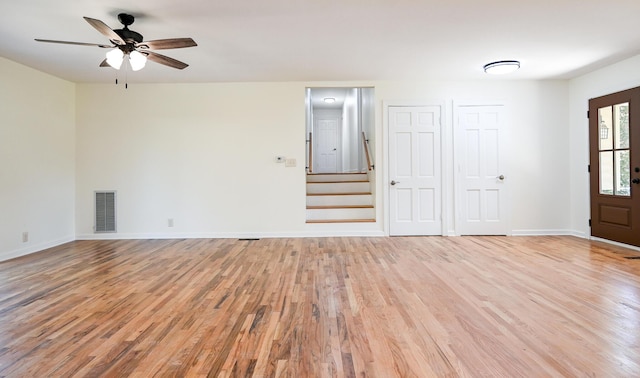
170, 222
25, 237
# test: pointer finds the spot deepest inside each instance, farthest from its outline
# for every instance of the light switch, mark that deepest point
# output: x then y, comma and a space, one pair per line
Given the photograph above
290, 162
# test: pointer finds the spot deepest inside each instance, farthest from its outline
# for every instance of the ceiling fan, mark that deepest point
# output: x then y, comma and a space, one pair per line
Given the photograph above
128, 43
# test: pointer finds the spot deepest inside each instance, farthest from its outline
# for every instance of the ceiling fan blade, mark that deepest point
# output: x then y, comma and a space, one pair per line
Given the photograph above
105, 30
162, 59
163, 44
104, 64
74, 43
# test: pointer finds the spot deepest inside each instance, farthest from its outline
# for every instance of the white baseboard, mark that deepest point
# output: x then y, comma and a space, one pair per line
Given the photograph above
546, 232
34, 248
235, 235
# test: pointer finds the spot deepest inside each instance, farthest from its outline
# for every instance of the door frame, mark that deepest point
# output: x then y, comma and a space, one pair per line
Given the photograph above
458, 200
444, 164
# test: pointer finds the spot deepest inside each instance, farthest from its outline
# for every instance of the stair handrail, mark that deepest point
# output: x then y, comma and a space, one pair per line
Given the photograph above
365, 142
310, 141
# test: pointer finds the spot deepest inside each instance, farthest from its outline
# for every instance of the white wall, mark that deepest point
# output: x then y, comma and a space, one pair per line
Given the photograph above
350, 140
614, 78
538, 136
37, 173
203, 154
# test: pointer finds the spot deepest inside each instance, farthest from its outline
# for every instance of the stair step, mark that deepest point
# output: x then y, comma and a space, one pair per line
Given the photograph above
340, 194
338, 187
336, 182
339, 207
340, 200
324, 177
341, 213
340, 220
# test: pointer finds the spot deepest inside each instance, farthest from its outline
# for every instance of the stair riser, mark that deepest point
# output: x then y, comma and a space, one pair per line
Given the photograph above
344, 177
346, 187
367, 213
339, 200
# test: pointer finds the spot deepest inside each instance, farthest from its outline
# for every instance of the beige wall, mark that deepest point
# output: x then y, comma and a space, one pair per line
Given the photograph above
37, 160
203, 155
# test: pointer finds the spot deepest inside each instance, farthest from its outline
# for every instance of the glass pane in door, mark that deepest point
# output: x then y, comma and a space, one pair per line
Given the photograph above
621, 125
605, 119
623, 173
613, 136
606, 172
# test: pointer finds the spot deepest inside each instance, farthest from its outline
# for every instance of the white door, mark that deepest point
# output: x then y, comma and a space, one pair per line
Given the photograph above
326, 146
481, 179
415, 198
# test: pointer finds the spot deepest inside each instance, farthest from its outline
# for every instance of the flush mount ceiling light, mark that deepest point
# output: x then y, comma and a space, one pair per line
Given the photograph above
329, 100
501, 67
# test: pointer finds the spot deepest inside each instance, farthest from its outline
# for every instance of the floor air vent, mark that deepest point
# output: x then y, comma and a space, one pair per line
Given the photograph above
105, 212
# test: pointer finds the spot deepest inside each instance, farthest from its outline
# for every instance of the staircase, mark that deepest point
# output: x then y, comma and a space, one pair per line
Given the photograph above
339, 198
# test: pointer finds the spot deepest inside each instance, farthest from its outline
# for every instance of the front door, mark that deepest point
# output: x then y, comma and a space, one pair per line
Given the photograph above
326, 146
482, 179
614, 138
415, 188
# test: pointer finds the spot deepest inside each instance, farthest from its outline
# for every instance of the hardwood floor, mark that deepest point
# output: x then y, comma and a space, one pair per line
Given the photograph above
323, 307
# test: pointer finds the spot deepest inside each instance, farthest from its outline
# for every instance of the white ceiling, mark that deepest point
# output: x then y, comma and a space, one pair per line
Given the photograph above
319, 94
331, 40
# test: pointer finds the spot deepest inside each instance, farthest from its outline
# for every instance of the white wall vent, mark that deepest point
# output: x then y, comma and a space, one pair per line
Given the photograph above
105, 220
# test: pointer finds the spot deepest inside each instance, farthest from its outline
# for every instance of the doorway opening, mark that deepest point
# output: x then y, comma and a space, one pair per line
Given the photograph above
340, 124
339, 129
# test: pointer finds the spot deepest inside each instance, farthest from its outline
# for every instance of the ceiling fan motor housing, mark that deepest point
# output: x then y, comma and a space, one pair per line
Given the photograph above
129, 36
126, 19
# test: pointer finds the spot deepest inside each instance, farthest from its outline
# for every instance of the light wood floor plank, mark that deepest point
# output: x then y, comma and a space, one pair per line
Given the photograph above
322, 307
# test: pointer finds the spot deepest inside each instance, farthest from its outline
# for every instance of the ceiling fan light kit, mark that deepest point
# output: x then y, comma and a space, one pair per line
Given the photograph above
127, 43
137, 60
115, 58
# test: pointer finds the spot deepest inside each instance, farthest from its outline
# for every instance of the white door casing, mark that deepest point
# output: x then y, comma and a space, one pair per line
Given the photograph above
415, 179
481, 177
326, 146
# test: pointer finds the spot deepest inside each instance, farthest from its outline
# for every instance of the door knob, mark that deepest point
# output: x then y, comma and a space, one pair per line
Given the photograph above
501, 177
393, 182
636, 181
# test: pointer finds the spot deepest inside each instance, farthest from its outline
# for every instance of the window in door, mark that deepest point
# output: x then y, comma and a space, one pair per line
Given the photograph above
615, 169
